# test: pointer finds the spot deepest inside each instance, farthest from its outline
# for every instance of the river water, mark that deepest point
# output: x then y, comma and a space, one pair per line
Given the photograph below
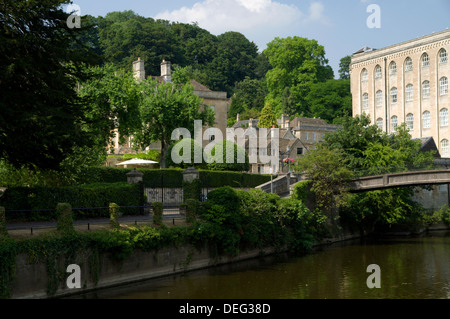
409, 268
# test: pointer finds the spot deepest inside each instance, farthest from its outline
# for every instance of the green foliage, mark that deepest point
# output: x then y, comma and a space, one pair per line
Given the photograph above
192, 190
330, 100
301, 191
227, 156
185, 148
344, 68
248, 94
3, 229
42, 120
8, 253
192, 209
168, 107
88, 196
150, 155
267, 118
157, 212
297, 63
65, 218
327, 170
114, 216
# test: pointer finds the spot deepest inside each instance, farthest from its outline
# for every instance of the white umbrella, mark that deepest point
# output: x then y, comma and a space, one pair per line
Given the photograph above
136, 161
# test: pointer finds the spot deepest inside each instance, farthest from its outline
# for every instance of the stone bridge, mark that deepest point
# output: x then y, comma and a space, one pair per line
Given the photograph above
417, 178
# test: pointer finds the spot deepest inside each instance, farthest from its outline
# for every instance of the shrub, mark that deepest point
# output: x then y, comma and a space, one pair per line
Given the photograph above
114, 215
228, 149
65, 218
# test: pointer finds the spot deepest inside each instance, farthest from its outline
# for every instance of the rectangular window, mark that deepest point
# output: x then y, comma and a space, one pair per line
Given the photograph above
300, 151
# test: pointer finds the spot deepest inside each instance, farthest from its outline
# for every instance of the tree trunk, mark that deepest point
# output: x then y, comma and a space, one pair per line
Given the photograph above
164, 148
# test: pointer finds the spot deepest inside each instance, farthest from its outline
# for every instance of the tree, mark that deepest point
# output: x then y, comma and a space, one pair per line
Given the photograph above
330, 100
297, 63
114, 97
344, 68
267, 118
165, 107
327, 170
41, 117
248, 94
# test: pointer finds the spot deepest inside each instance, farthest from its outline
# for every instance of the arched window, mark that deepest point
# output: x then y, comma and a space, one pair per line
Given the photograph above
426, 119
425, 61
443, 116
380, 123
393, 68
444, 148
394, 95
365, 101
408, 65
409, 93
443, 86
425, 89
410, 121
379, 98
443, 56
394, 123
364, 75
378, 72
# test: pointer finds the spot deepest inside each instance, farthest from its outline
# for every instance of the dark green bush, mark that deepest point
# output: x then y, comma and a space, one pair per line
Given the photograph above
65, 218
92, 197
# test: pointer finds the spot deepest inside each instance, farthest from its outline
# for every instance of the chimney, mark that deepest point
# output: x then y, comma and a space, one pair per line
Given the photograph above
139, 70
284, 121
238, 118
166, 71
250, 123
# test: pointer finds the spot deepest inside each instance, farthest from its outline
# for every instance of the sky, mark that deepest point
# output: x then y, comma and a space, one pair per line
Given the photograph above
341, 26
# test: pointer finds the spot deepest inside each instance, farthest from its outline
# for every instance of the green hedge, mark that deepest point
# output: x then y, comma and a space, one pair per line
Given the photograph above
87, 196
172, 177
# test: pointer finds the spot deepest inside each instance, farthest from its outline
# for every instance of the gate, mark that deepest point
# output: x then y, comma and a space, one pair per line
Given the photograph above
165, 189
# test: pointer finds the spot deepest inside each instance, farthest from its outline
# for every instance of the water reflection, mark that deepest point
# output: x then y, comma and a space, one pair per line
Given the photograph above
410, 268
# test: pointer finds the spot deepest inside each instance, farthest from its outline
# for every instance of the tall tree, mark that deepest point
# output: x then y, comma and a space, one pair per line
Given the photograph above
166, 107
344, 68
330, 100
267, 118
41, 117
297, 63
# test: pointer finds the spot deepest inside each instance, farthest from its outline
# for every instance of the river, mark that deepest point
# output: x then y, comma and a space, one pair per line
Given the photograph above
416, 268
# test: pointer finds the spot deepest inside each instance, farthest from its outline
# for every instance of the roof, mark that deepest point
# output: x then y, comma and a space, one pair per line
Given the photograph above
197, 85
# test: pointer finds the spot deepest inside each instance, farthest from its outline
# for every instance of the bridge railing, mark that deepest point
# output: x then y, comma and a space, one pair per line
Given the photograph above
381, 170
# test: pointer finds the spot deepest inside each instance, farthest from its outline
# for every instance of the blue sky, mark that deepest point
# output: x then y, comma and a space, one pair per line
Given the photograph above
340, 26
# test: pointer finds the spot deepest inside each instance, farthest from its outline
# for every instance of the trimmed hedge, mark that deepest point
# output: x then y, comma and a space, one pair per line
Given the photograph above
172, 177
87, 196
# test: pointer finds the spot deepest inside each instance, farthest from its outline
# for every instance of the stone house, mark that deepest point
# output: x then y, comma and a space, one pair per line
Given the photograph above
218, 101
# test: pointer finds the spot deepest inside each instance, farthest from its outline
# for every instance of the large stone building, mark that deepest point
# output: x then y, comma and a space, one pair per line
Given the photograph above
406, 83
218, 101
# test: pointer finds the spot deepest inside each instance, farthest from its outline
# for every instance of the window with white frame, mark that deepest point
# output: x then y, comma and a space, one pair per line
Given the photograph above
426, 120
425, 61
443, 86
394, 123
443, 116
409, 93
380, 123
443, 58
378, 72
408, 65
365, 101
425, 89
410, 121
379, 98
444, 148
364, 75
394, 95
393, 68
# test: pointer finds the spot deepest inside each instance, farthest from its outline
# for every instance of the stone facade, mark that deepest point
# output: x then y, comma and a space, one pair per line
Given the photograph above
296, 138
218, 101
406, 83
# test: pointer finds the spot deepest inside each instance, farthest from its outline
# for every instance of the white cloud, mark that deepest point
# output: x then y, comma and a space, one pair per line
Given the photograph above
259, 20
